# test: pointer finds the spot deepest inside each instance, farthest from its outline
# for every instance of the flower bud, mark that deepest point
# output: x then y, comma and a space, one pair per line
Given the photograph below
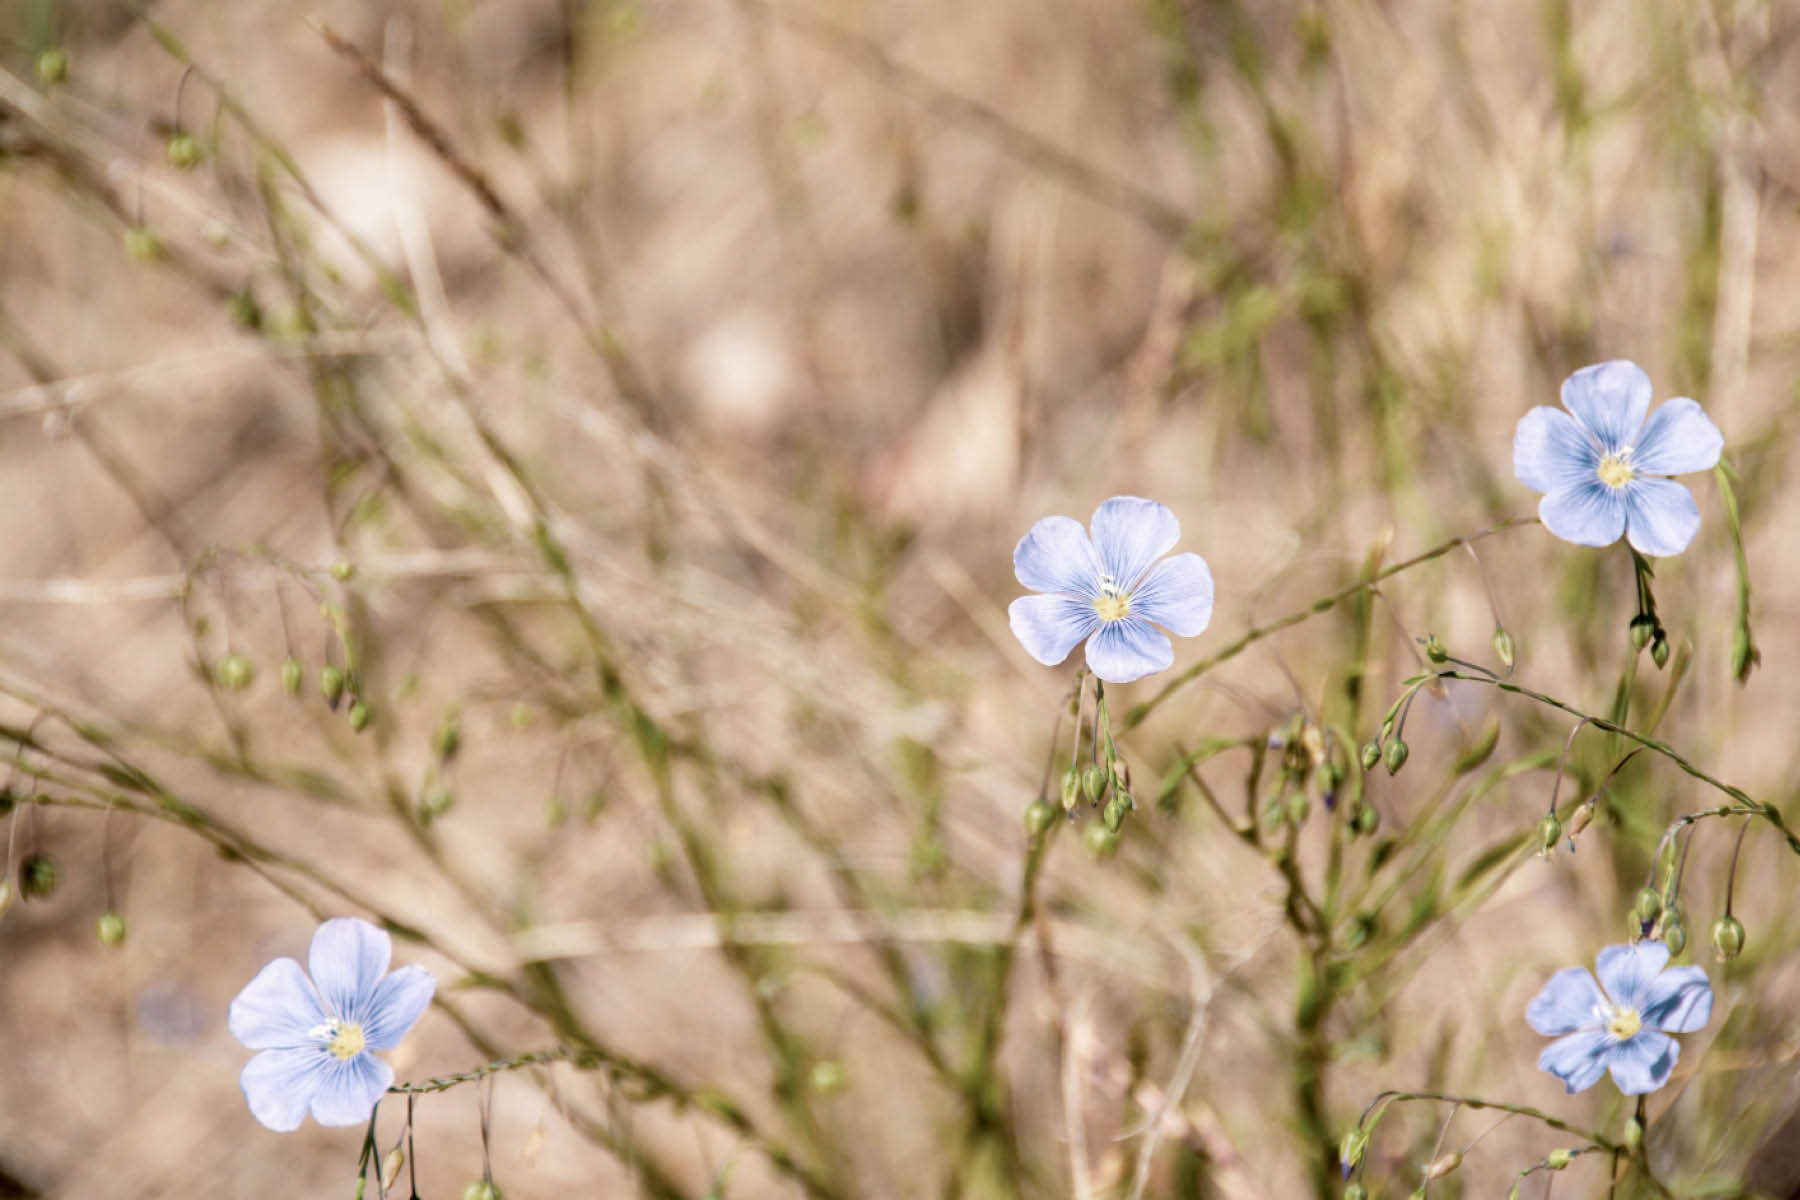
1634, 1134
142, 244
1443, 1165
331, 685
1434, 649
1549, 830
1355, 1191
1559, 1158
1394, 757
1659, 650
1580, 818
234, 672
37, 877
244, 311
1648, 905
53, 66
1331, 777
360, 716
184, 151
110, 928
1114, 812
435, 803
1038, 816
343, 571
1100, 840
447, 740
829, 1077
1674, 932
1071, 788
482, 1189
1093, 783
1352, 1147
1121, 773
292, 676
390, 1167
1371, 754
1504, 649
1728, 937
1366, 821
1298, 807
1643, 628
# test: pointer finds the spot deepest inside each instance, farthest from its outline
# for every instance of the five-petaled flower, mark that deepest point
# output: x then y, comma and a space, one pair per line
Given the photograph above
1105, 589
1626, 1027
316, 1035
1601, 469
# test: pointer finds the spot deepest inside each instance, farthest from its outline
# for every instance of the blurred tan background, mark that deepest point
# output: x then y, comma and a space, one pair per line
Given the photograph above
678, 377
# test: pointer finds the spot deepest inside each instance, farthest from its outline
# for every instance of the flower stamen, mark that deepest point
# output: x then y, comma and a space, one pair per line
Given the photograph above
1113, 603
343, 1038
1625, 1023
1615, 468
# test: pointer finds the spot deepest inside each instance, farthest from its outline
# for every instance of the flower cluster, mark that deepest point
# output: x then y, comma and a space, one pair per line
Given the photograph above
315, 1035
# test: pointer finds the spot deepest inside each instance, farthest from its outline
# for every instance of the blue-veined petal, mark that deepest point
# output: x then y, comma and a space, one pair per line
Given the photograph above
1578, 1060
1121, 651
1177, 594
349, 1089
348, 958
1056, 556
1677, 1001
278, 1008
1570, 1001
1551, 452
1661, 517
1589, 514
1626, 971
1130, 533
1678, 438
279, 1085
1051, 626
396, 1004
1610, 398
1643, 1063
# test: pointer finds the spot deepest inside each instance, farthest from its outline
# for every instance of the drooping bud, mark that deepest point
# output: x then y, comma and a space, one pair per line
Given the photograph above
1728, 937
1351, 1148
1549, 830
829, 1077
1674, 932
1071, 788
1443, 1165
482, 1189
1093, 783
1647, 906
1366, 821
110, 928
184, 151
142, 244
37, 876
343, 571
234, 672
390, 1167
447, 740
331, 685
1299, 807
1371, 754
1434, 649
1394, 757
1114, 812
1100, 840
1504, 649
1643, 628
53, 66
1581, 817
1559, 1158
360, 716
1634, 1133
1354, 1190
292, 676
1121, 773
435, 803
1659, 650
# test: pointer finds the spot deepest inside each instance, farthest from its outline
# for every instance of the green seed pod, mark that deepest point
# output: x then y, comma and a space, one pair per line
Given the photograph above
1434, 649
1100, 840
184, 151
447, 740
234, 672
1331, 775
37, 877
1634, 1134
1728, 937
1504, 649
1643, 628
1394, 757
1659, 650
331, 685
1371, 754
1674, 932
142, 244
1114, 813
1647, 906
53, 66
293, 675
1038, 817
1443, 1165
1354, 1190
1559, 1158
1366, 821
1093, 783
829, 1077
343, 571
360, 716
1549, 830
1071, 788
110, 928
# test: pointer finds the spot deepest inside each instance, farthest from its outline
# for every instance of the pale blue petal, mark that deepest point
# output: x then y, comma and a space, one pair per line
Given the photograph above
1051, 626
1551, 452
1177, 594
279, 1085
1610, 398
1661, 517
1129, 649
1678, 1001
1643, 1063
1131, 533
1679, 438
397, 1003
276, 1009
349, 1090
1626, 971
1578, 1060
1589, 514
348, 958
1570, 1001
1056, 556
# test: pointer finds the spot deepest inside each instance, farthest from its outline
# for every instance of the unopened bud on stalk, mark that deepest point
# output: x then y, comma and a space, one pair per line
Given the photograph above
390, 1167
142, 244
829, 1077
235, 671
110, 928
1504, 649
1100, 840
1366, 821
1351, 1148
1093, 783
1443, 1165
1114, 812
1038, 817
1121, 773
343, 571
1371, 754
360, 716
1648, 905
1394, 757
1434, 649
1298, 807
53, 66
482, 1189
1643, 628
1355, 1191
1580, 819
1674, 932
1728, 937
447, 740
1549, 830
1071, 788
1559, 1158
1634, 1134
331, 685
37, 877
292, 676
184, 151
1659, 650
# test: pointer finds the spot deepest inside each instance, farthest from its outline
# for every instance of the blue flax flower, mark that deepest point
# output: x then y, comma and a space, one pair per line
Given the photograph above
316, 1034
1626, 1027
1600, 469
1105, 590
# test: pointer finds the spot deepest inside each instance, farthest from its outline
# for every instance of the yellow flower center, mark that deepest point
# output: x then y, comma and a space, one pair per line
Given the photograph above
343, 1038
1616, 470
1112, 604
1625, 1023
